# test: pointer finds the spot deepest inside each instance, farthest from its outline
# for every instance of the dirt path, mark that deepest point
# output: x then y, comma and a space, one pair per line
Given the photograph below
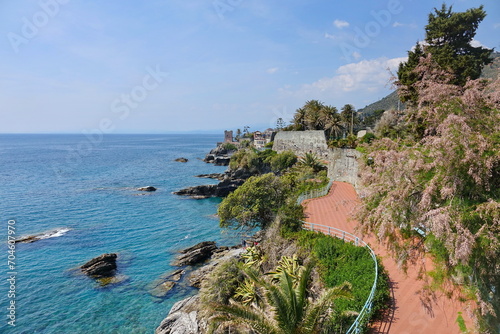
410, 312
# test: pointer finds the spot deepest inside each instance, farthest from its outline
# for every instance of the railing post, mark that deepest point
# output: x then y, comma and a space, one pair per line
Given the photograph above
343, 235
329, 233
356, 241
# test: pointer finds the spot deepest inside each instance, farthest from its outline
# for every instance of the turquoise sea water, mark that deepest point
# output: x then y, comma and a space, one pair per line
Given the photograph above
87, 187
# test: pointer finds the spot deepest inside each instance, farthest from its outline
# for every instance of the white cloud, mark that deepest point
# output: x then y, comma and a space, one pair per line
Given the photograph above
356, 55
475, 43
409, 25
327, 35
352, 81
340, 24
272, 70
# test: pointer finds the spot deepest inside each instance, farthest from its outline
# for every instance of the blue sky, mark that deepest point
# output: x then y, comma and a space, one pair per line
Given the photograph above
187, 65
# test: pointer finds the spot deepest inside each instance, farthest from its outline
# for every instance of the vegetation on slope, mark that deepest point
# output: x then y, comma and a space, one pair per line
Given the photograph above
261, 291
264, 197
295, 284
433, 180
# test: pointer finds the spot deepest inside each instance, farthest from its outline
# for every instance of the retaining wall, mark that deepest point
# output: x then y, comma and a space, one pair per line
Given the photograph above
343, 166
302, 142
342, 163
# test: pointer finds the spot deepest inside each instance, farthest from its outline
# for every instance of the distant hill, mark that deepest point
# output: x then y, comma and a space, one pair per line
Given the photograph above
391, 101
491, 71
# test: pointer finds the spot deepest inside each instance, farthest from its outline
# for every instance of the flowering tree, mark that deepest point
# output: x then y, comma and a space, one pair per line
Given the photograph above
436, 189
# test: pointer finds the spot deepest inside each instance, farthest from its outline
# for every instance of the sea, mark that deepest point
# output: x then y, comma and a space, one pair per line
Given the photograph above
79, 194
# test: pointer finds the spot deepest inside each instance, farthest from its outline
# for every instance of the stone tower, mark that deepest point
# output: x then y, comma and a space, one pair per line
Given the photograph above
228, 136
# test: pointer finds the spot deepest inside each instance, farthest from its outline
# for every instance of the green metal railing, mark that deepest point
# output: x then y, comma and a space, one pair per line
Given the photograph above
314, 193
358, 324
361, 319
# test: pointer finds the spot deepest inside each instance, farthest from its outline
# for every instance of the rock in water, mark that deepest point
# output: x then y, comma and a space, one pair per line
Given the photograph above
196, 254
217, 176
181, 160
101, 266
162, 286
148, 188
162, 289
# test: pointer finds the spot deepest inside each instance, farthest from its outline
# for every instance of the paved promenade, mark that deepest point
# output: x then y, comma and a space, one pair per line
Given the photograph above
411, 312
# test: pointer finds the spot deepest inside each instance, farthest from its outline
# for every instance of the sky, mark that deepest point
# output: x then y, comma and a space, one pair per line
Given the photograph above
162, 66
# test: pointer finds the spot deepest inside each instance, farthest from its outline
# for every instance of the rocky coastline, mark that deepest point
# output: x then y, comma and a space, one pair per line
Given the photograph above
185, 316
197, 262
229, 180
219, 156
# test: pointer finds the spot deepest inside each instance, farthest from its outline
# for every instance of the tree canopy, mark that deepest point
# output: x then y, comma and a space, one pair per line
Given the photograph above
255, 203
449, 37
315, 115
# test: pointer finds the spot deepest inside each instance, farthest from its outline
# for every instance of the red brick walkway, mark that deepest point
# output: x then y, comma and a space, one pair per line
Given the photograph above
410, 311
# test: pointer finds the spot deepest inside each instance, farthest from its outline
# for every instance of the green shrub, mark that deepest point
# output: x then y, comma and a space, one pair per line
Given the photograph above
222, 283
229, 146
283, 161
368, 138
341, 261
255, 203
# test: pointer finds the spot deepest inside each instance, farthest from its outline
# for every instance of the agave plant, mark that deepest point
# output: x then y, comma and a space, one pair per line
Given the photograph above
289, 264
248, 293
252, 256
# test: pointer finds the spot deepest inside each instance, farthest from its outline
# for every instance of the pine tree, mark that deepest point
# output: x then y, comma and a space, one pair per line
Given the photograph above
448, 40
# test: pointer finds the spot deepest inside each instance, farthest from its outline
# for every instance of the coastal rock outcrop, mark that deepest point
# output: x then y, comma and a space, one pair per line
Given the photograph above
101, 266
198, 276
221, 161
181, 160
231, 180
196, 254
183, 318
216, 176
147, 188
222, 189
219, 156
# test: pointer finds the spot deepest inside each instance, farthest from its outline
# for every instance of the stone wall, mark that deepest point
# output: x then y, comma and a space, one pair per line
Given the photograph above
342, 163
302, 142
343, 166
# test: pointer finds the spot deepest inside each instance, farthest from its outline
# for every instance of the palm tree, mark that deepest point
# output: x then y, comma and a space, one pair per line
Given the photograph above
332, 121
311, 160
285, 307
313, 117
299, 119
348, 117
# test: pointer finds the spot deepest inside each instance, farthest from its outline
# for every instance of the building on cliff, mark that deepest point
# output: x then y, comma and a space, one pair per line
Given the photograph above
260, 139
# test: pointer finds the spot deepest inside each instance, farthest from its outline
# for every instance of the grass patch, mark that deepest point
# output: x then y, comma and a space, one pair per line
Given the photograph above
341, 261
461, 323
